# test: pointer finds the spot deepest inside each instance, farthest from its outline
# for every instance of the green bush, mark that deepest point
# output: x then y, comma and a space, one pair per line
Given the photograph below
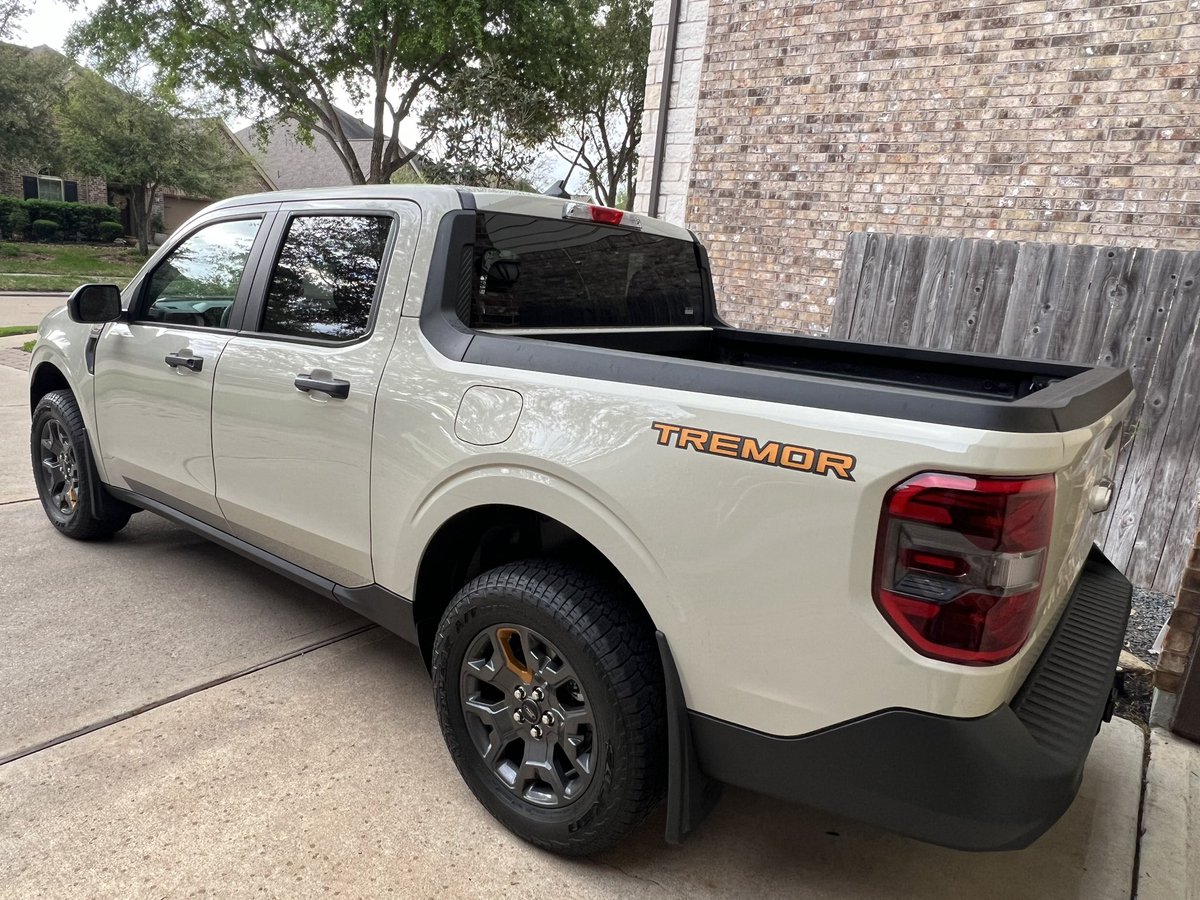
16, 221
76, 221
107, 232
44, 229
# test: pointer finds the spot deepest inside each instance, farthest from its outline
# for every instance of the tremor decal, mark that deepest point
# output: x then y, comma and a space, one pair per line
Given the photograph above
768, 453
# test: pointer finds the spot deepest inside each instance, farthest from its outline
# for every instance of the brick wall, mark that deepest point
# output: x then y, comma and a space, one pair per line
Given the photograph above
1182, 630
1055, 120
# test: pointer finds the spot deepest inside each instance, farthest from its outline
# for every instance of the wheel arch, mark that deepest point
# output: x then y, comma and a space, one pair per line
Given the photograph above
482, 537
47, 377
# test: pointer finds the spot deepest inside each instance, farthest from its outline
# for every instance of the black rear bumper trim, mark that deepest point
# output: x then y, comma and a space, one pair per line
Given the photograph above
997, 782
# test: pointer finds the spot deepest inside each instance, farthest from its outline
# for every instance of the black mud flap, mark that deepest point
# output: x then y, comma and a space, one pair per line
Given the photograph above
691, 795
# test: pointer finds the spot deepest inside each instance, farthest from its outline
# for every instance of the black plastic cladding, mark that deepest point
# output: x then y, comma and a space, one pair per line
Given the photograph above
1081, 397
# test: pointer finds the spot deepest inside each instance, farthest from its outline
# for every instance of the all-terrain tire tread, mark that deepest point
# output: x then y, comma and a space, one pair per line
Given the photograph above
86, 524
622, 643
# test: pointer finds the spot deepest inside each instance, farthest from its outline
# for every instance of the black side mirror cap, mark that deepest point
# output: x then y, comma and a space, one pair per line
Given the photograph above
95, 303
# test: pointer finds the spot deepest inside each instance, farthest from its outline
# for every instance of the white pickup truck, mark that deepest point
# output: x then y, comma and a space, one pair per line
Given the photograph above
642, 552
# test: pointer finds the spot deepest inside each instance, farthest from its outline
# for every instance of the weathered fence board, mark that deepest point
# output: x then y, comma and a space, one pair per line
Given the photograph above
1109, 306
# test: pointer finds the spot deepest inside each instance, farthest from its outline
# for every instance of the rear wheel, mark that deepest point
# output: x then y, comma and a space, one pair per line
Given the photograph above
549, 692
65, 475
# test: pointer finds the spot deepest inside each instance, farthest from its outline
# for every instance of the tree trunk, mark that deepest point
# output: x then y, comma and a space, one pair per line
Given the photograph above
138, 217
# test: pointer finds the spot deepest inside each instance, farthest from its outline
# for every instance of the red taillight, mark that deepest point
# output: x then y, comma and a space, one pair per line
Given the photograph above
602, 214
959, 563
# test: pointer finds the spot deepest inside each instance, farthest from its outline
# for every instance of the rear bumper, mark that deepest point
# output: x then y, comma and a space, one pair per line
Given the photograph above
993, 783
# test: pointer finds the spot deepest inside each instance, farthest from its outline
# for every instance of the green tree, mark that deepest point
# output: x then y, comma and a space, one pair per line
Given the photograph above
491, 127
287, 58
141, 143
31, 83
10, 12
602, 97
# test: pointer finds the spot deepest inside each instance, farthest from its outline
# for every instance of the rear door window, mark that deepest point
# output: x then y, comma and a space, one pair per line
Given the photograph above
533, 272
326, 277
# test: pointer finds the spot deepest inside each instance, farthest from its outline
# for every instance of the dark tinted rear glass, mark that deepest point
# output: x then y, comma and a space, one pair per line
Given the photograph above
548, 273
324, 281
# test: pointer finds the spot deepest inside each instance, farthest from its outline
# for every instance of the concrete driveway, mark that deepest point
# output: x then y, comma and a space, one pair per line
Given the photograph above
178, 722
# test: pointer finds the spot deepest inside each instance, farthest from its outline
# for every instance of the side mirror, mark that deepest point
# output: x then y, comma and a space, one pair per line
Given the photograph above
95, 303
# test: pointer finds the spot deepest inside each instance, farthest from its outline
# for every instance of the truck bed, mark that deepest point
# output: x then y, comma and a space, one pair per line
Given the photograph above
972, 390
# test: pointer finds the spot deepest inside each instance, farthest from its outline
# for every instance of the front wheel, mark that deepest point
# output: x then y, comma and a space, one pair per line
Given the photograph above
64, 471
549, 693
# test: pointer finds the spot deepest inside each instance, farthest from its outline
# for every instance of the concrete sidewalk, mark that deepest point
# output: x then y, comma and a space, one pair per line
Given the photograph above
1170, 846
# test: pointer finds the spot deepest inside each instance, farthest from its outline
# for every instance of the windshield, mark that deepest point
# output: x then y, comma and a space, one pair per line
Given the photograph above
534, 272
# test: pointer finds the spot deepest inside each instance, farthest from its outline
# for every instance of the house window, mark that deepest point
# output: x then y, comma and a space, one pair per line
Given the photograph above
50, 188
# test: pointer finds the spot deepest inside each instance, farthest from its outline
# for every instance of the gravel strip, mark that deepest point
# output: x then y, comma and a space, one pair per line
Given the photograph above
1150, 610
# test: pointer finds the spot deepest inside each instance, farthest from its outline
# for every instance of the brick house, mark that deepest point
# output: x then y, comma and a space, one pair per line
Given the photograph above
67, 186
172, 207
295, 165
788, 125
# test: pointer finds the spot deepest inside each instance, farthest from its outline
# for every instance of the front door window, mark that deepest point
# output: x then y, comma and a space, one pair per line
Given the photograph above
198, 280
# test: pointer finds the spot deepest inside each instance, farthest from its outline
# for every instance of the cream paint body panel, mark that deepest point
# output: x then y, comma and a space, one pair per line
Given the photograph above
487, 415
759, 576
153, 420
294, 469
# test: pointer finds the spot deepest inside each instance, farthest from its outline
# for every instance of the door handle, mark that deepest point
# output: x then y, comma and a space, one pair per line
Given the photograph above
334, 387
194, 363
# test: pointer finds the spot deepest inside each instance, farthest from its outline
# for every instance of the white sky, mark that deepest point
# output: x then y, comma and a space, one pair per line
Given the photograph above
48, 23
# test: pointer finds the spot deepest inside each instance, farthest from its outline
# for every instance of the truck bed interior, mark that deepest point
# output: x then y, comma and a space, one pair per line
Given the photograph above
967, 375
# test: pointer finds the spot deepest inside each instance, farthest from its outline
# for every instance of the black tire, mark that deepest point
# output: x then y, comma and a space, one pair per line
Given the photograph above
65, 474
589, 633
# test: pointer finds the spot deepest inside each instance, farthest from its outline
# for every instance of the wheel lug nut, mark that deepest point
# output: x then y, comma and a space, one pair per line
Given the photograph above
535, 731
517, 716
547, 718
537, 694
519, 693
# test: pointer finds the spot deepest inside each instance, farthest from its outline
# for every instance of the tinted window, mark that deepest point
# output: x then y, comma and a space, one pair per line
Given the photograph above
545, 273
324, 281
197, 281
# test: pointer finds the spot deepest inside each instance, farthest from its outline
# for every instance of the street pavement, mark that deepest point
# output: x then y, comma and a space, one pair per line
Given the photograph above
179, 722
27, 309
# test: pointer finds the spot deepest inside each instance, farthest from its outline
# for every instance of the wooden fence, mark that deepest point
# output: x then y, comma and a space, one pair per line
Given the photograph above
1108, 306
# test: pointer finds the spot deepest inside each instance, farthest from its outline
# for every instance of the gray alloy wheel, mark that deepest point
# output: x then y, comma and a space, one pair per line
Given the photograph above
527, 715
67, 482
549, 691
59, 469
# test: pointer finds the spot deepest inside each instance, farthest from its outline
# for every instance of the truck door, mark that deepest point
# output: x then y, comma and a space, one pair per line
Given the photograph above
154, 370
294, 397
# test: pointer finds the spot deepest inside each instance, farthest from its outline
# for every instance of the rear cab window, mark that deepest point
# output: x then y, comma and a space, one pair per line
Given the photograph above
533, 272
326, 277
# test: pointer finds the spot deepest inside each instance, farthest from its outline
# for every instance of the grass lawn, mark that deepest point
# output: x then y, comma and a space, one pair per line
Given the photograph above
28, 346
10, 330
35, 283
63, 267
70, 259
